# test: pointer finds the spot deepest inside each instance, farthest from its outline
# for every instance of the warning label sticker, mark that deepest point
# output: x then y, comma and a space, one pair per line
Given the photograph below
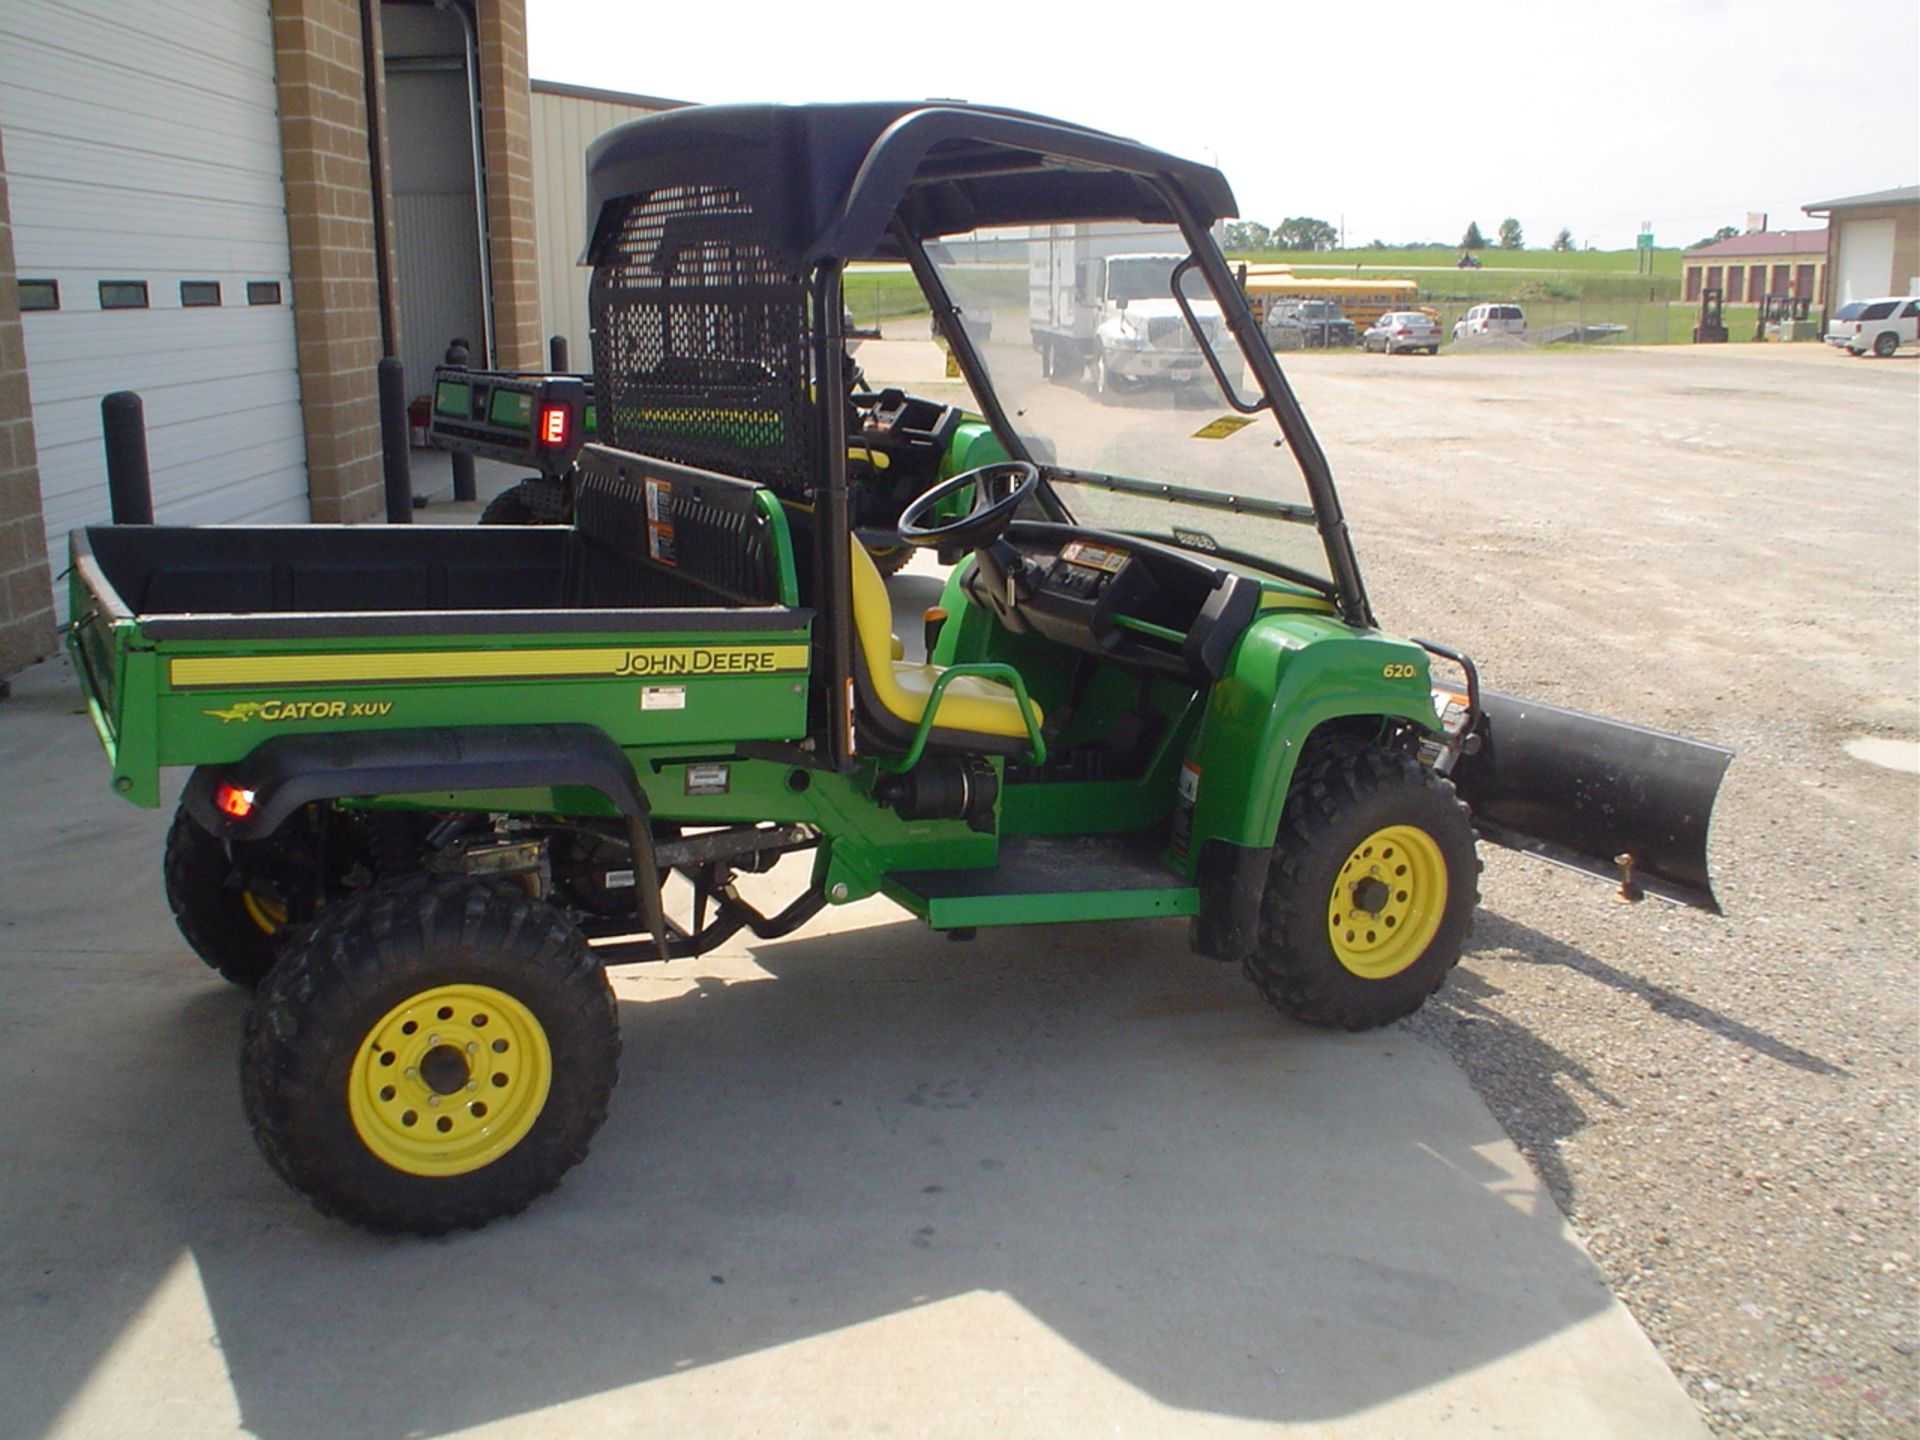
1223, 427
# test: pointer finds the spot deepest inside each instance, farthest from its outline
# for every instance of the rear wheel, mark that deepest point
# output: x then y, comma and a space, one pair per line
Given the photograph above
509, 507
1371, 892
1885, 344
432, 1054
228, 904
888, 559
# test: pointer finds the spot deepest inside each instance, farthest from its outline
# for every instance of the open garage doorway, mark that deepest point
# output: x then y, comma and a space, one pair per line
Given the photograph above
434, 155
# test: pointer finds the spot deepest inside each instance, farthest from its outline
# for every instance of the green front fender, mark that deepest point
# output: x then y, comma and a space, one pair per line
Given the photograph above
1291, 674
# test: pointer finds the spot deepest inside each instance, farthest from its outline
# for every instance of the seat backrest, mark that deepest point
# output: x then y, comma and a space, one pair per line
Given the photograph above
872, 619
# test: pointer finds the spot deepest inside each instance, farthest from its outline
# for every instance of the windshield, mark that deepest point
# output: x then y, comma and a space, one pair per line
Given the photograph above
1122, 400
1141, 277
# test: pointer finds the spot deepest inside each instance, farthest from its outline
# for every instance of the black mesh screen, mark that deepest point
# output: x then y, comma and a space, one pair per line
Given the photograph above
701, 346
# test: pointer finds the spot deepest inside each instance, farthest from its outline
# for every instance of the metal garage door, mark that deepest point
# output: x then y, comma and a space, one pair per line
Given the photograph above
1866, 259
143, 165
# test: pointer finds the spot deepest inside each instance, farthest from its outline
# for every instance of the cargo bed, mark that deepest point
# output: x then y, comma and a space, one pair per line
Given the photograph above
194, 644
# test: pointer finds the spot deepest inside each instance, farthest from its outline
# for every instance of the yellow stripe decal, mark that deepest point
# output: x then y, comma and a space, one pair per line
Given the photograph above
227, 672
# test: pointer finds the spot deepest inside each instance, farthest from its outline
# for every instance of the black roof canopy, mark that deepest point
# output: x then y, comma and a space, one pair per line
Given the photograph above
827, 180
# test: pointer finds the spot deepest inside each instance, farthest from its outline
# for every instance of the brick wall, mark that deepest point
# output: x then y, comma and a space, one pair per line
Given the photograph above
26, 599
336, 293
507, 135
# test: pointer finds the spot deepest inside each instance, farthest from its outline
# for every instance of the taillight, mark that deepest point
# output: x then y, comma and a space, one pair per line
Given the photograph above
1403, 330
553, 426
234, 801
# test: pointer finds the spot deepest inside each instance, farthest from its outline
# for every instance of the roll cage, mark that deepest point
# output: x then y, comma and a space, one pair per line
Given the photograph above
719, 239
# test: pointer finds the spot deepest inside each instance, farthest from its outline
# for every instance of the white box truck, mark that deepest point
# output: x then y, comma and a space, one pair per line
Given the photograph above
1100, 304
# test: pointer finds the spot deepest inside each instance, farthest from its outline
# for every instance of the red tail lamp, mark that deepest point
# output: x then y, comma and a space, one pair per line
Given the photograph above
234, 801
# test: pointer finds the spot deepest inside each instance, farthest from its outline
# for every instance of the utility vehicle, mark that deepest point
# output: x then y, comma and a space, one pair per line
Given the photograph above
432, 764
542, 420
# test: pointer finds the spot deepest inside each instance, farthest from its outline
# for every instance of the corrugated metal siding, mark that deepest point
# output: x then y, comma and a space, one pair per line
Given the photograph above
436, 231
143, 144
563, 127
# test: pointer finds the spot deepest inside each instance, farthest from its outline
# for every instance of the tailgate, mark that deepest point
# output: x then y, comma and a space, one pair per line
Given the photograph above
115, 672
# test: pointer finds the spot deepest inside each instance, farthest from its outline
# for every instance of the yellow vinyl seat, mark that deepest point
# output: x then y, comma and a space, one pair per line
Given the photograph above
970, 706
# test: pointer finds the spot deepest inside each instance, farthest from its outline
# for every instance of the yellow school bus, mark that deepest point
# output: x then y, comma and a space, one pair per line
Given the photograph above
1361, 300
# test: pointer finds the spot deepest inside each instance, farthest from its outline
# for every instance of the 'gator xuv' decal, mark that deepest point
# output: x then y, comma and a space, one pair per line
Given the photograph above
246, 711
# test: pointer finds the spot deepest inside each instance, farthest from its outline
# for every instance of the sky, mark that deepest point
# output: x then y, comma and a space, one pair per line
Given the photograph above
1398, 121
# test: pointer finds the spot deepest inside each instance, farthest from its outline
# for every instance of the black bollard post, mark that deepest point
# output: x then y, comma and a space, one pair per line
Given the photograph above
557, 354
393, 440
457, 355
129, 480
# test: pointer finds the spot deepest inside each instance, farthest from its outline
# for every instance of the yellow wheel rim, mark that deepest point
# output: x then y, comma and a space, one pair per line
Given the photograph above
1387, 902
269, 915
450, 1080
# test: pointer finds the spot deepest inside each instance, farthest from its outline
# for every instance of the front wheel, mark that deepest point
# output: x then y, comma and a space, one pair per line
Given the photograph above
432, 1054
1371, 891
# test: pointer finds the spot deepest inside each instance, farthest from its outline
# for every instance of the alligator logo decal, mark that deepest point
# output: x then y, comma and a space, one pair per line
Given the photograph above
272, 710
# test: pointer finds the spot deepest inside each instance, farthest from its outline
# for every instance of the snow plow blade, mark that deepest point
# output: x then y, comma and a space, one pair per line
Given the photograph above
1598, 795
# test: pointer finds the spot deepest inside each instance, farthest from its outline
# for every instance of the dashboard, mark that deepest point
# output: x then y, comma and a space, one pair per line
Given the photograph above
1129, 599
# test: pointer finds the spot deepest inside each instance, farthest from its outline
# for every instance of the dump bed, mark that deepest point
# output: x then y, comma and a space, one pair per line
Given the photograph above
666, 615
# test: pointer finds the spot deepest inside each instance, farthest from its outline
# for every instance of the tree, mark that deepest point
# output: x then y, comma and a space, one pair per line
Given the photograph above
1473, 239
1510, 234
1725, 232
1564, 240
1303, 232
1248, 235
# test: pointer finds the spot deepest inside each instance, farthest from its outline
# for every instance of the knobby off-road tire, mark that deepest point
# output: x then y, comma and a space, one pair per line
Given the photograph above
234, 929
890, 559
1371, 892
430, 1055
510, 507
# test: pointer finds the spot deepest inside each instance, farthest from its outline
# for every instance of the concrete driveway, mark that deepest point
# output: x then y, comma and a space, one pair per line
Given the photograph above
861, 1181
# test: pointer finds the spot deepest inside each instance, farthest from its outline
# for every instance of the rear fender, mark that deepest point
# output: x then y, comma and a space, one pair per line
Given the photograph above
288, 772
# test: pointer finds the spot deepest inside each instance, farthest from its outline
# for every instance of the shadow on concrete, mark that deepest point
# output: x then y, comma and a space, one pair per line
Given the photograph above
1223, 1211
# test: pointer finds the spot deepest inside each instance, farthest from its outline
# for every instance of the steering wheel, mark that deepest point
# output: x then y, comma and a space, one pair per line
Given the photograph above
988, 517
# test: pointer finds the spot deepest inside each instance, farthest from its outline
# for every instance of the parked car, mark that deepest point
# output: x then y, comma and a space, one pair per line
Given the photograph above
1308, 325
1883, 326
1839, 331
1403, 332
1491, 320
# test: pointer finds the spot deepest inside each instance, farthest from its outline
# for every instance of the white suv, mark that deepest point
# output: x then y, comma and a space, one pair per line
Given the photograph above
1491, 320
1882, 326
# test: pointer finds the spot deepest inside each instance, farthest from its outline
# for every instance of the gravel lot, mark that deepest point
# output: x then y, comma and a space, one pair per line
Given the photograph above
1720, 542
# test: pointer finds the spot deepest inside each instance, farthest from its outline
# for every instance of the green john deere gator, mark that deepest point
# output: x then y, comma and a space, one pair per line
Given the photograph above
430, 765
